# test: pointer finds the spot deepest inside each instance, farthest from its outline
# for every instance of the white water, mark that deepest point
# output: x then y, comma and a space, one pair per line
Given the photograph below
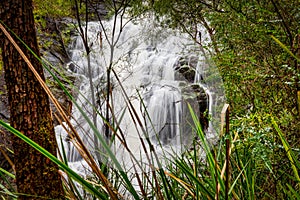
144, 59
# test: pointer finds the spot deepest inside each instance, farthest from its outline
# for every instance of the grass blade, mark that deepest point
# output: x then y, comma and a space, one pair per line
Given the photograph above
61, 165
291, 156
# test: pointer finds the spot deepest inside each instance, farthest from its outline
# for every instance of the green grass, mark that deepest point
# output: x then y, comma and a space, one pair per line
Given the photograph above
186, 176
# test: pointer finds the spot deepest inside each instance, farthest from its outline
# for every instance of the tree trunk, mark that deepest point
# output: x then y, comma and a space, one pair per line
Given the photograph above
36, 176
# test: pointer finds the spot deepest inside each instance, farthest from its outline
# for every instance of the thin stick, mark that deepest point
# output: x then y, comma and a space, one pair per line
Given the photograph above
7, 158
227, 154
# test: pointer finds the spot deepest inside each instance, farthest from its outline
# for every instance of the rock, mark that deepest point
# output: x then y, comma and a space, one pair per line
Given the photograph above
186, 68
54, 41
4, 111
54, 38
97, 9
68, 80
192, 92
196, 96
5, 137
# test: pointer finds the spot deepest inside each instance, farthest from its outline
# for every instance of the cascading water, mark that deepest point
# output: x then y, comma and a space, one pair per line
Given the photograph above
154, 66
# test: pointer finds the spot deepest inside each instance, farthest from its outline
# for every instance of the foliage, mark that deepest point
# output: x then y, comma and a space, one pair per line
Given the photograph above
57, 8
251, 61
261, 78
52, 35
255, 45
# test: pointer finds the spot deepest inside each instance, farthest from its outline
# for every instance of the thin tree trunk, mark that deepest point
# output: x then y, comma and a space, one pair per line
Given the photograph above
84, 37
36, 176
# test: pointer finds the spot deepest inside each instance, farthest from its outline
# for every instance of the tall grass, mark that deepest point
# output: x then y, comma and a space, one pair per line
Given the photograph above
192, 175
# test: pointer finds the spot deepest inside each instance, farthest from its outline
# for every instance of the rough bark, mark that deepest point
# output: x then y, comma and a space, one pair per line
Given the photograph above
36, 176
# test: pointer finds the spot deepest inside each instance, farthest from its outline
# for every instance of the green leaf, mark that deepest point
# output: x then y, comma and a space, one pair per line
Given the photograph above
293, 161
89, 187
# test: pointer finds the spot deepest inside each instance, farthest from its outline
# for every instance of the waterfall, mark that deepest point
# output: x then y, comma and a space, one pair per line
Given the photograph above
154, 65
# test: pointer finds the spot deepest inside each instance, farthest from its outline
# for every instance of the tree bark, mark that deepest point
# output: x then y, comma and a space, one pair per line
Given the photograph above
36, 176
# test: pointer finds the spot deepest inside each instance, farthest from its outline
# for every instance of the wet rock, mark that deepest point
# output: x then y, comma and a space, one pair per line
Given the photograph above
54, 38
4, 109
193, 93
97, 9
186, 72
196, 96
185, 68
68, 80
5, 136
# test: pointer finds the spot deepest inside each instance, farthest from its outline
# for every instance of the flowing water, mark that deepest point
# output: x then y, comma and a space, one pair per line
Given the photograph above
161, 71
